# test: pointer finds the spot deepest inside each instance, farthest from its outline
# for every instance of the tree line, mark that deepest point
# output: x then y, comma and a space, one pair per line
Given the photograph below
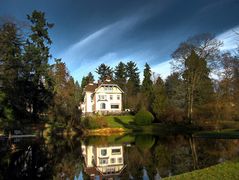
31, 89
190, 92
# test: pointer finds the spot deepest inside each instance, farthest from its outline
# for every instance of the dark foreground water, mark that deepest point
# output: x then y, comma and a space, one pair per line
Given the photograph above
114, 157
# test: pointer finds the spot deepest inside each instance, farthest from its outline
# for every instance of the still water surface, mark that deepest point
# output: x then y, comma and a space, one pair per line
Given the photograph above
114, 157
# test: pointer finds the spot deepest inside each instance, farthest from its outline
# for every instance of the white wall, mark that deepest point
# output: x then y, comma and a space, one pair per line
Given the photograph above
89, 103
113, 91
88, 154
108, 102
109, 155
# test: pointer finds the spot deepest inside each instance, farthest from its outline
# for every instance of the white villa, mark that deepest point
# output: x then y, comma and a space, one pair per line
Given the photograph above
104, 162
105, 97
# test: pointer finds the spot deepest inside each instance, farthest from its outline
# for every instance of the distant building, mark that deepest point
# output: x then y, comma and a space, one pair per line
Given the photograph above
104, 162
105, 97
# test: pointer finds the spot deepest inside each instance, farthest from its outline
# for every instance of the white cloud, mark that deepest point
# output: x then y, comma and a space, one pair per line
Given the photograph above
95, 45
163, 69
230, 42
230, 39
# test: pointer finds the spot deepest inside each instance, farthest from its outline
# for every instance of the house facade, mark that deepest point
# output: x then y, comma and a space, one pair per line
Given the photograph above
102, 98
104, 162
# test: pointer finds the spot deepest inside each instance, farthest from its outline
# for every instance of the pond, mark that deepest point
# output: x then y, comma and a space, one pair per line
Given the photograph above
114, 157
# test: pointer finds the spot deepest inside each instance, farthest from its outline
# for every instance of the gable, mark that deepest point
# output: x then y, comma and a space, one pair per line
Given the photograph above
90, 87
109, 88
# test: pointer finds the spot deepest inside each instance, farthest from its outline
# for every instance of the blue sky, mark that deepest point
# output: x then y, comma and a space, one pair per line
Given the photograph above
88, 33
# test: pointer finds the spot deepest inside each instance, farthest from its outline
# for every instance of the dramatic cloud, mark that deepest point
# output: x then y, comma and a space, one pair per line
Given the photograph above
230, 39
91, 32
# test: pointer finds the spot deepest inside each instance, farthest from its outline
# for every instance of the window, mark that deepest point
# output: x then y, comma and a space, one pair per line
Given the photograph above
102, 106
103, 161
92, 97
112, 160
103, 152
120, 160
111, 97
118, 97
114, 106
116, 151
102, 97
108, 88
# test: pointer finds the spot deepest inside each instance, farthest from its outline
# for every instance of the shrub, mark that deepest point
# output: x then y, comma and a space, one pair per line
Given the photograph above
95, 122
143, 117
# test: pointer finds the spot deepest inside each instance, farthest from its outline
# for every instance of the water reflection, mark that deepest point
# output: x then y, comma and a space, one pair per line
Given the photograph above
114, 157
103, 161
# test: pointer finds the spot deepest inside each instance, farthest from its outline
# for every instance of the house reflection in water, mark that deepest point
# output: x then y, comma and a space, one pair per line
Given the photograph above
103, 162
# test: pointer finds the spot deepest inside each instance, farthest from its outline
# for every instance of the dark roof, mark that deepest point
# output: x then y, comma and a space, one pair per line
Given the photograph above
91, 87
91, 171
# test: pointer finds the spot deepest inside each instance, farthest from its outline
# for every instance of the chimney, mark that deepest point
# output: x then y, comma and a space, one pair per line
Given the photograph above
99, 82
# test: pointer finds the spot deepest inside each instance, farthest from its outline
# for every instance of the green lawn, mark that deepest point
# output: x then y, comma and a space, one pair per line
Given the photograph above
223, 171
127, 122
120, 121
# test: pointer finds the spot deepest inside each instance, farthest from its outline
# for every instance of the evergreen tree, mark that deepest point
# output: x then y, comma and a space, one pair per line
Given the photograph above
83, 82
193, 59
104, 71
90, 78
147, 82
120, 75
132, 90
133, 80
147, 89
175, 91
87, 79
159, 104
6, 112
10, 65
38, 85
196, 71
66, 98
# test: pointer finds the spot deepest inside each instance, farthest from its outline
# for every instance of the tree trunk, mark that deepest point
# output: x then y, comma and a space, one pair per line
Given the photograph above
194, 152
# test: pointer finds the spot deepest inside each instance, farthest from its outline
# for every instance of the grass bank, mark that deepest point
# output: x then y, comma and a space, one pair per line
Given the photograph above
101, 125
105, 132
223, 171
126, 122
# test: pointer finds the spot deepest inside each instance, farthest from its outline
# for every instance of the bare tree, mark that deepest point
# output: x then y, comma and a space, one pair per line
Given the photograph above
205, 48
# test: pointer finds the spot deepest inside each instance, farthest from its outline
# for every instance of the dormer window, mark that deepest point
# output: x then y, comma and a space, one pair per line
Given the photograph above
108, 88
